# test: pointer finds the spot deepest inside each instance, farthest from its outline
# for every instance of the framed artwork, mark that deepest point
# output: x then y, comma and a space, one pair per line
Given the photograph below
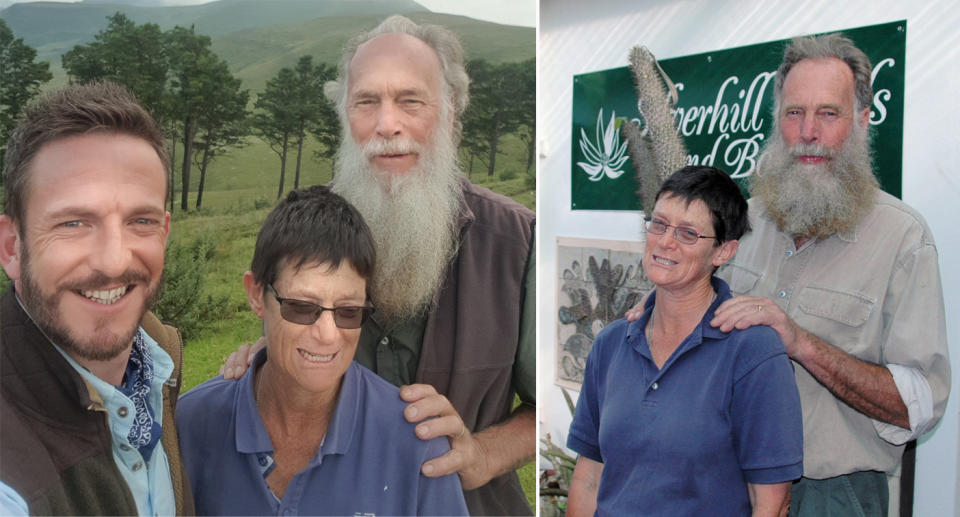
598, 281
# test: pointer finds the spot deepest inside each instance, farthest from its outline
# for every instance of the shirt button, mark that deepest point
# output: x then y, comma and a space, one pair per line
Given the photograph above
789, 253
137, 466
782, 294
655, 386
124, 447
384, 341
122, 411
263, 461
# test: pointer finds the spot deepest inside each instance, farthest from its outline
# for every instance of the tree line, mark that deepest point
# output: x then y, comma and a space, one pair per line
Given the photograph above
204, 110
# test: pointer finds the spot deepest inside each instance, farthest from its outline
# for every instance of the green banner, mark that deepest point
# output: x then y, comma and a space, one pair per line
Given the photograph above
723, 113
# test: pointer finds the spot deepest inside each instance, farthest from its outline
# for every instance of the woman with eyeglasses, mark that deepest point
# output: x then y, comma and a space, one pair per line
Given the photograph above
676, 418
306, 430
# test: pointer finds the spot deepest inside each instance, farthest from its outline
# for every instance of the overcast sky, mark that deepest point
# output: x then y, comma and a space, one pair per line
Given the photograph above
509, 12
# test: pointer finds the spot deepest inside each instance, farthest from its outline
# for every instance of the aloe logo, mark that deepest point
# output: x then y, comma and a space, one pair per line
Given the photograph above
605, 155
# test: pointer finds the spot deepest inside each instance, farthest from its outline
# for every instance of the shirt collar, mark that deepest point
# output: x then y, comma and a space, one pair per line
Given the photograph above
251, 434
704, 330
162, 369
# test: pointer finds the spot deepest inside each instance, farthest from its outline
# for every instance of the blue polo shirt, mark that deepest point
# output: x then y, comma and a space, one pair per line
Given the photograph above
687, 438
368, 464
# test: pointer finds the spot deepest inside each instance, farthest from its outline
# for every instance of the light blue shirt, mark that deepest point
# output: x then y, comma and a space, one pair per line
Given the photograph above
10, 501
148, 479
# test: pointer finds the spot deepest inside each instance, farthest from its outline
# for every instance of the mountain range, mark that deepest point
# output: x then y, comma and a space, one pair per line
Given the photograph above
256, 37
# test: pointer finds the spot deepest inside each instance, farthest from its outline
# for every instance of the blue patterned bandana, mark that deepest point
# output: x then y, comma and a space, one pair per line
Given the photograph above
137, 380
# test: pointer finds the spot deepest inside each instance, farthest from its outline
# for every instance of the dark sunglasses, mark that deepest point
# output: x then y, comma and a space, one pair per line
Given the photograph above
306, 313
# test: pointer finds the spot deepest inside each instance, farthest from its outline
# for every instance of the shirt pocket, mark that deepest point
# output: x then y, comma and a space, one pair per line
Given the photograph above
849, 308
839, 316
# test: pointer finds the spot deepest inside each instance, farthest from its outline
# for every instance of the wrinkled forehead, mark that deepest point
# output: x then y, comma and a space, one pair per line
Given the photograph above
820, 78
399, 53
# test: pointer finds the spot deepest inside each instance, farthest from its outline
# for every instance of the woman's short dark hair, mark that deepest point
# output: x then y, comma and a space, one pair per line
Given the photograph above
718, 191
313, 226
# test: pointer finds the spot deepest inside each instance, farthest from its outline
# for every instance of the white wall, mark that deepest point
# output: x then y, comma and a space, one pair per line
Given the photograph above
586, 36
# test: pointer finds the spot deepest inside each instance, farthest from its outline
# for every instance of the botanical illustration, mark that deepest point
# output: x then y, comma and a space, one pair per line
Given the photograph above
599, 280
605, 155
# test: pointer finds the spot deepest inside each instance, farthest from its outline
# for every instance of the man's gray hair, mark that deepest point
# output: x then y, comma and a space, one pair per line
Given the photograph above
443, 41
829, 45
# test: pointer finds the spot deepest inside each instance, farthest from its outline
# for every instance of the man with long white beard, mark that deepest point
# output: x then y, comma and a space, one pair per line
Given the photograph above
848, 276
454, 283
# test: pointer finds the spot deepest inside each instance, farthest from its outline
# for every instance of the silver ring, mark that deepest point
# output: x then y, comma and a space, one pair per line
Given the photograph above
463, 430
759, 308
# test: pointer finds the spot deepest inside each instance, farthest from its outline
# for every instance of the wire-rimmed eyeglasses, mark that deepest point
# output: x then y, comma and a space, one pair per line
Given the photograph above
683, 234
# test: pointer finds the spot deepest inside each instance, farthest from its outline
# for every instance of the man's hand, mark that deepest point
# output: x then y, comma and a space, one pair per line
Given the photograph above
746, 311
634, 313
437, 417
476, 457
238, 362
867, 387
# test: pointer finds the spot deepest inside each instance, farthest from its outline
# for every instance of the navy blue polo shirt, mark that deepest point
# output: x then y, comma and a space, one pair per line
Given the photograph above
368, 464
686, 439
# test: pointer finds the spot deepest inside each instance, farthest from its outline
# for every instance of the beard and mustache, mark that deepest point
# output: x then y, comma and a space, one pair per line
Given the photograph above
816, 200
103, 344
414, 216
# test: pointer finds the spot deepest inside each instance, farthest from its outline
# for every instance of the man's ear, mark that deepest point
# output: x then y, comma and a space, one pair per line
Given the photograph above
10, 246
865, 118
166, 228
727, 251
254, 293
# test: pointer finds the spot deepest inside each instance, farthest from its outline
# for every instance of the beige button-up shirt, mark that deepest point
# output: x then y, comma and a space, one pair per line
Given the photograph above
874, 293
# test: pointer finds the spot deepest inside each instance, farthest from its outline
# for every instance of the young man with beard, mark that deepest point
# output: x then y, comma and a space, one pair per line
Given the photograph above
848, 276
454, 284
89, 378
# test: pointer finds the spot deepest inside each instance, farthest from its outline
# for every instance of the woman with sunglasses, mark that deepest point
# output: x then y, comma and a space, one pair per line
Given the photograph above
675, 417
309, 431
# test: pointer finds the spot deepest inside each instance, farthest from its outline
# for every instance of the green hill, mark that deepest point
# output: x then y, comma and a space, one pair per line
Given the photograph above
255, 55
44, 23
257, 38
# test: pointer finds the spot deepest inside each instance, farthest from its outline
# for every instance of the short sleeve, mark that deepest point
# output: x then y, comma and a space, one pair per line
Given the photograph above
442, 495
767, 419
583, 437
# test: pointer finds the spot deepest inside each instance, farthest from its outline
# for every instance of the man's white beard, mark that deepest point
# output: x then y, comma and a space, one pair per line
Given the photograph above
816, 200
413, 217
